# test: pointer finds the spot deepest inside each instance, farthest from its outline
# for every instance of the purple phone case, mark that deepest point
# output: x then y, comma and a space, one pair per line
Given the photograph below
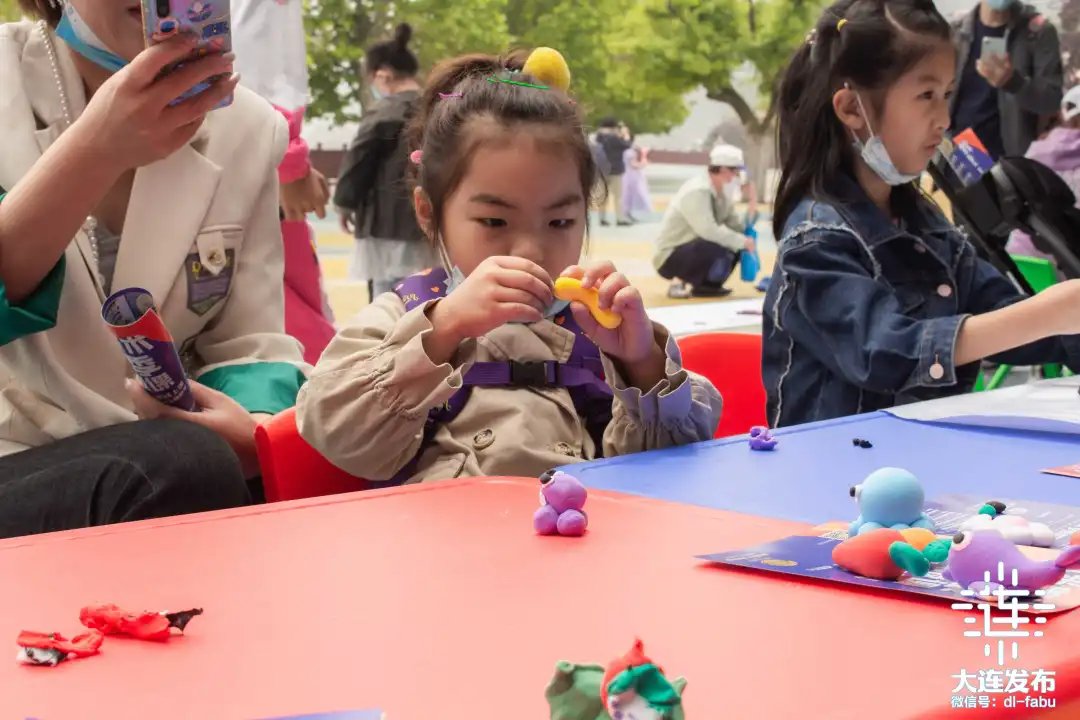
208, 19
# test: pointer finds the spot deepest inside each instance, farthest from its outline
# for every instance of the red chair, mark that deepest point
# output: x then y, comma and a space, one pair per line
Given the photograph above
732, 362
292, 469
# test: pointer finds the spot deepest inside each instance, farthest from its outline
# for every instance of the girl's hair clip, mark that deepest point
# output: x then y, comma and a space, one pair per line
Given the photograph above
840, 25
449, 95
416, 156
509, 77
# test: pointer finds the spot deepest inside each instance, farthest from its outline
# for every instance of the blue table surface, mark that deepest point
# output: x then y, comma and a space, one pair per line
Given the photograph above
806, 479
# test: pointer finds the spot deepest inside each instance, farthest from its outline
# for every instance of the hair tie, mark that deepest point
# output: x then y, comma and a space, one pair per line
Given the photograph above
416, 156
840, 25
449, 95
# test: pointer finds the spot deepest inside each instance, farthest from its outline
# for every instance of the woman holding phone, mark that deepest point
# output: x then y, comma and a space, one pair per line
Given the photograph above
111, 184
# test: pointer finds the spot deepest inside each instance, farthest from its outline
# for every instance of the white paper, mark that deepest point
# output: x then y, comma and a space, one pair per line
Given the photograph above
1044, 406
709, 317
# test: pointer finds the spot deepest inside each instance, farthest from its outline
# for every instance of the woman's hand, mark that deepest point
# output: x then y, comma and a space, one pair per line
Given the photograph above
633, 343
129, 121
308, 194
220, 413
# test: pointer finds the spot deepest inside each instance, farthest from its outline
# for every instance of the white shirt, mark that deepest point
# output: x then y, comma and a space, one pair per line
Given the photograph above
268, 39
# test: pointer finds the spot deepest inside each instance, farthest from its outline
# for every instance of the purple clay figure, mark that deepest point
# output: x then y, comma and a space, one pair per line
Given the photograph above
761, 438
562, 505
976, 555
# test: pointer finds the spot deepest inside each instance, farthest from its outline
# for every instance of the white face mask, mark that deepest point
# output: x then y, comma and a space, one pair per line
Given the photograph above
876, 156
456, 277
731, 189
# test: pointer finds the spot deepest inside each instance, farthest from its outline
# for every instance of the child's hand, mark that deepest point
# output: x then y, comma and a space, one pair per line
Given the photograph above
633, 343
500, 290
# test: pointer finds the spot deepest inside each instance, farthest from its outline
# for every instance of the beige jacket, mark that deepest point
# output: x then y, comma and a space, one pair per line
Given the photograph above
366, 403
216, 198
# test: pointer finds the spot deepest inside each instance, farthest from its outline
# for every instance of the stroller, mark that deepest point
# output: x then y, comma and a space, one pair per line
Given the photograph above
1016, 194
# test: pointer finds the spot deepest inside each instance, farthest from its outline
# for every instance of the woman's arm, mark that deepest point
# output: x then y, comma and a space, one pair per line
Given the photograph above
128, 123
49, 205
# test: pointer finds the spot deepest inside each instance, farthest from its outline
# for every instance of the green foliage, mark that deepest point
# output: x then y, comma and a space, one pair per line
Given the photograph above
635, 59
9, 10
702, 42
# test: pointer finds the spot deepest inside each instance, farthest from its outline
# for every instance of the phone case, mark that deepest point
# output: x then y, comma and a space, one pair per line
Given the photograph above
208, 19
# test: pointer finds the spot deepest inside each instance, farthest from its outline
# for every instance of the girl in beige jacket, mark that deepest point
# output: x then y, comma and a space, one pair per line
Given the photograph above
480, 371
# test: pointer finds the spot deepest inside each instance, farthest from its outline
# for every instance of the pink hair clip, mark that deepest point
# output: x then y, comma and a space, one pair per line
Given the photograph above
416, 156
447, 96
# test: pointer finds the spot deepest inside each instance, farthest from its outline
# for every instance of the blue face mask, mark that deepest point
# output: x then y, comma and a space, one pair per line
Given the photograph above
457, 277
78, 36
876, 155
1000, 5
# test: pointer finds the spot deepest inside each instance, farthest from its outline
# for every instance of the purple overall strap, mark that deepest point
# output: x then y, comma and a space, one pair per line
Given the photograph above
417, 289
582, 375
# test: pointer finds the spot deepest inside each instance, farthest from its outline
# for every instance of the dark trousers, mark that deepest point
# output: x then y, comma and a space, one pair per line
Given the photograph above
701, 263
134, 471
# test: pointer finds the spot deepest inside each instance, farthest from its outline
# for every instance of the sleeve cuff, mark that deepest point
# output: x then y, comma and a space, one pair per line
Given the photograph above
260, 387
409, 375
667, 402
937, 353
37, 312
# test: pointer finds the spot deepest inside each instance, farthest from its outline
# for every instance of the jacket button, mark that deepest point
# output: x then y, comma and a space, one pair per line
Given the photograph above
564, 449
483, 439
214, 258
920, 248
937, 371
944, 290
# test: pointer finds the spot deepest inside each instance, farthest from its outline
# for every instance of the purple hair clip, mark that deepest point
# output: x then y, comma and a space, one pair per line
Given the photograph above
447, 96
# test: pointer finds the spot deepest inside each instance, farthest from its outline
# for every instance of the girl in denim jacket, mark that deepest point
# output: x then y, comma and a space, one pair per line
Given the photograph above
876, 299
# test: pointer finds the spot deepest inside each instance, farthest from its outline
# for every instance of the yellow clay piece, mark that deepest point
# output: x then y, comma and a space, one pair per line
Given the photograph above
918, 538
570, 289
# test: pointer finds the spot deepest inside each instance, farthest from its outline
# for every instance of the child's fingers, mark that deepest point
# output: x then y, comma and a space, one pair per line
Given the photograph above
584, 319
513, 296
596, 272
628, 301
610, 287
574, 271
517, 312
520, 280
523, 265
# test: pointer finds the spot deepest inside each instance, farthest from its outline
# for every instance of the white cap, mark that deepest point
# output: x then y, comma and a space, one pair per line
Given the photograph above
1070, 104
726, 156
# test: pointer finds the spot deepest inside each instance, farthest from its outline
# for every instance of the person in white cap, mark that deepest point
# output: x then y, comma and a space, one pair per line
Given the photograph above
701, 238
1059, 150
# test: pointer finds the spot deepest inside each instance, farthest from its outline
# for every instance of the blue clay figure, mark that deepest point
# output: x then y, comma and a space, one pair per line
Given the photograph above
889, 498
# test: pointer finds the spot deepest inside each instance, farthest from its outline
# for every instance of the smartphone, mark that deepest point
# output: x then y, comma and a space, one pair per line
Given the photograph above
993, 46
207, 19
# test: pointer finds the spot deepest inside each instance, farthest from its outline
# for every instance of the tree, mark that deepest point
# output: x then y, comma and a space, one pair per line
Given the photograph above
9, 10
602, 41
339, 31
707, 42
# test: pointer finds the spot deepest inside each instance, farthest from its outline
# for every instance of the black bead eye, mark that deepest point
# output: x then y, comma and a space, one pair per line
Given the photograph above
958, 538
547, 477
851, 491
999, 507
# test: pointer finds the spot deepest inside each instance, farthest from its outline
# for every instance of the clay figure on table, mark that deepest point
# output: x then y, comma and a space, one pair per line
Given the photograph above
974, 555
1016, 528
562, 505
889, 498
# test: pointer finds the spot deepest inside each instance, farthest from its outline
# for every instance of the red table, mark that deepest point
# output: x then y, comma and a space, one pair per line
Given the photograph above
438, 602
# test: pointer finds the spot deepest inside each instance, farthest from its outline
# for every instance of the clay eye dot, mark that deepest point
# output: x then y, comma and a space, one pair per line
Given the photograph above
961, 540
